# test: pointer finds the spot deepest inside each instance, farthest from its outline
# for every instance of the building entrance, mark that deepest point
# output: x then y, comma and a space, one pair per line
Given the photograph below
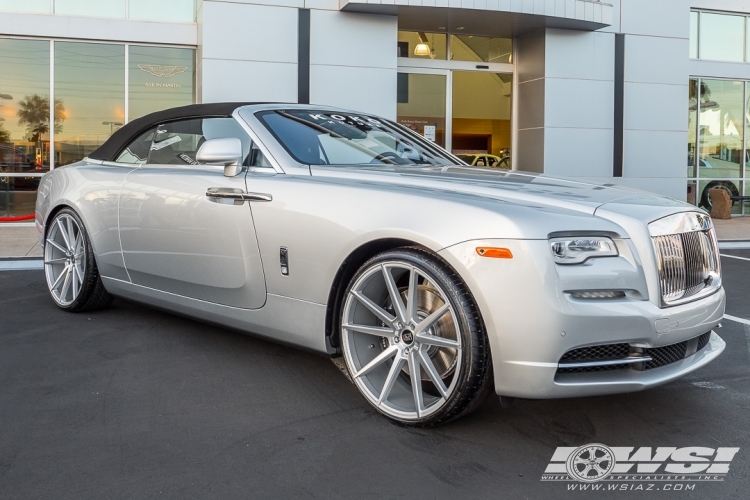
464, 106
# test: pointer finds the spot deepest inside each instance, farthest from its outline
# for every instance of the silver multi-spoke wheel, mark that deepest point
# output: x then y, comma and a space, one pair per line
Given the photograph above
65, 259
401, 340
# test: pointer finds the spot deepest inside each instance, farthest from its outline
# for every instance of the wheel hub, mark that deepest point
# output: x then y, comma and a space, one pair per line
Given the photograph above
407, 337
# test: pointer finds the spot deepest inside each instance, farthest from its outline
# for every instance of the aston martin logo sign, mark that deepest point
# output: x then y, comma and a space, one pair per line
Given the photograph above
162, 71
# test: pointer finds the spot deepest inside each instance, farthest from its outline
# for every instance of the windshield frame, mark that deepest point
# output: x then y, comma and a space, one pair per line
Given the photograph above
391, 128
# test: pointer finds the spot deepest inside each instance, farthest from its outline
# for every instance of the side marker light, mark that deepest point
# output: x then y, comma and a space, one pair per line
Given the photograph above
495, 253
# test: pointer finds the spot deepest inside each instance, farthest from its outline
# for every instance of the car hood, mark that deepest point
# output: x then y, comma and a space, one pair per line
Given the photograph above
524, 188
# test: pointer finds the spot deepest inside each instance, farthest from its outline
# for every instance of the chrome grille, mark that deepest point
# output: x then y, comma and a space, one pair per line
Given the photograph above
687, 259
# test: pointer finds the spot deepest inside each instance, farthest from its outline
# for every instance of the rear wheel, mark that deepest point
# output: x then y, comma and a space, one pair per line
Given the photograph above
69, 265
413, 340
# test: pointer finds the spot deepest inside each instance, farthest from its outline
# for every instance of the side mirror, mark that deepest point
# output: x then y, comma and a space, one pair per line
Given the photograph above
226, 151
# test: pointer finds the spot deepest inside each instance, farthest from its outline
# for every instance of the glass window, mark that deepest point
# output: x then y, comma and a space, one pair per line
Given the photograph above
137, 151
692, 124
421, 105
18, 198
325, 138
31, 6
722, 37
421, 45
693, 35
90, 89
160, 78
179, 11
732, 187
721, 128
258, 159
92, 8
176, 143
24, 105
24, 125
481, 49
747, 133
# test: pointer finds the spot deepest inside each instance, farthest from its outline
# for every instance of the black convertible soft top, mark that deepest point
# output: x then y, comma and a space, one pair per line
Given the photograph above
124, 136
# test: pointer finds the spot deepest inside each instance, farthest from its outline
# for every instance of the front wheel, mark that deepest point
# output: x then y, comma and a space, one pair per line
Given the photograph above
69, 265
413, 339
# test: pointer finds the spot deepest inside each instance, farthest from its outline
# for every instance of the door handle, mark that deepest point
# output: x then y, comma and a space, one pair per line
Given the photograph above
236, 194
257, 197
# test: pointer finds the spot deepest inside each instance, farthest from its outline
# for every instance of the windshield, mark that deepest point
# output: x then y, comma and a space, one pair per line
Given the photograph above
467, 158
330, 138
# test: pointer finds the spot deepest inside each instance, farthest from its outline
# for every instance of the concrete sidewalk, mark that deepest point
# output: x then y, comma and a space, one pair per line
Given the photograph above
23, 241
734, 229
19, 241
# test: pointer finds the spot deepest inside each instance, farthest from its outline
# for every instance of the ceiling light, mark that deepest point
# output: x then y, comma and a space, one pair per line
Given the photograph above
422, 49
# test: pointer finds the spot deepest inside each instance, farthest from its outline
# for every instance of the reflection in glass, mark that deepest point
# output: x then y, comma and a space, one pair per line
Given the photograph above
160, 78
92, 8
481, 115
421, 105
421, 45
693, 35
481, 49
17, 198
90, 85
691, 192
747, 131
692, 124
722, 37
177, 11
732, 187
721, 128
30, 6
24, 105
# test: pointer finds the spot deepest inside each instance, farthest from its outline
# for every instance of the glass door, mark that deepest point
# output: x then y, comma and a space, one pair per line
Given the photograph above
481, 118
466, 111
422, 101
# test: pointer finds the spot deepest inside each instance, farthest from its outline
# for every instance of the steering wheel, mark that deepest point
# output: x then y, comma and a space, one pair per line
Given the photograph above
386, 155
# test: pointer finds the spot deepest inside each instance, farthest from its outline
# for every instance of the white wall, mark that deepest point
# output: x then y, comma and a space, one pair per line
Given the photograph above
353, 61
247, 51
92, 28
579, 103
575, 84
656, 95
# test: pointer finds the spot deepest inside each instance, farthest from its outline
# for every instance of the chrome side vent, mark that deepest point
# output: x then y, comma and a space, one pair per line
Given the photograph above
687, 256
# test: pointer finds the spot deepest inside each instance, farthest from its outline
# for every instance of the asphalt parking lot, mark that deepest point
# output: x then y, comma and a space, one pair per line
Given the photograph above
131, 402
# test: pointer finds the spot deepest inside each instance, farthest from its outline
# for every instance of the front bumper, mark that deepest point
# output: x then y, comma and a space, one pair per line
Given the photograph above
531, 322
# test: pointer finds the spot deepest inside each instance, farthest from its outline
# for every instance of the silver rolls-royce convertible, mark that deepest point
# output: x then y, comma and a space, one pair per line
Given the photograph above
348, 234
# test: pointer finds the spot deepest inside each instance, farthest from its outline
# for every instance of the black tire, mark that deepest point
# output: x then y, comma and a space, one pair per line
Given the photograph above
728, 186
474, 374
92, 295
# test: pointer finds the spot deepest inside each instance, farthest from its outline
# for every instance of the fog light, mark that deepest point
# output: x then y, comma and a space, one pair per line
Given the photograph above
598, 294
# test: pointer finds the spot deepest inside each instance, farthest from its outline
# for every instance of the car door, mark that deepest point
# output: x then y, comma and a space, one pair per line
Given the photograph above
176, 238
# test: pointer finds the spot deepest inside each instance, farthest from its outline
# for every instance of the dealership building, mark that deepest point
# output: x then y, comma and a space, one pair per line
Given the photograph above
651, 94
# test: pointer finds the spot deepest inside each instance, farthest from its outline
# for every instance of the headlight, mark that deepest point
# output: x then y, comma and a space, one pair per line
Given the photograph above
577, 250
